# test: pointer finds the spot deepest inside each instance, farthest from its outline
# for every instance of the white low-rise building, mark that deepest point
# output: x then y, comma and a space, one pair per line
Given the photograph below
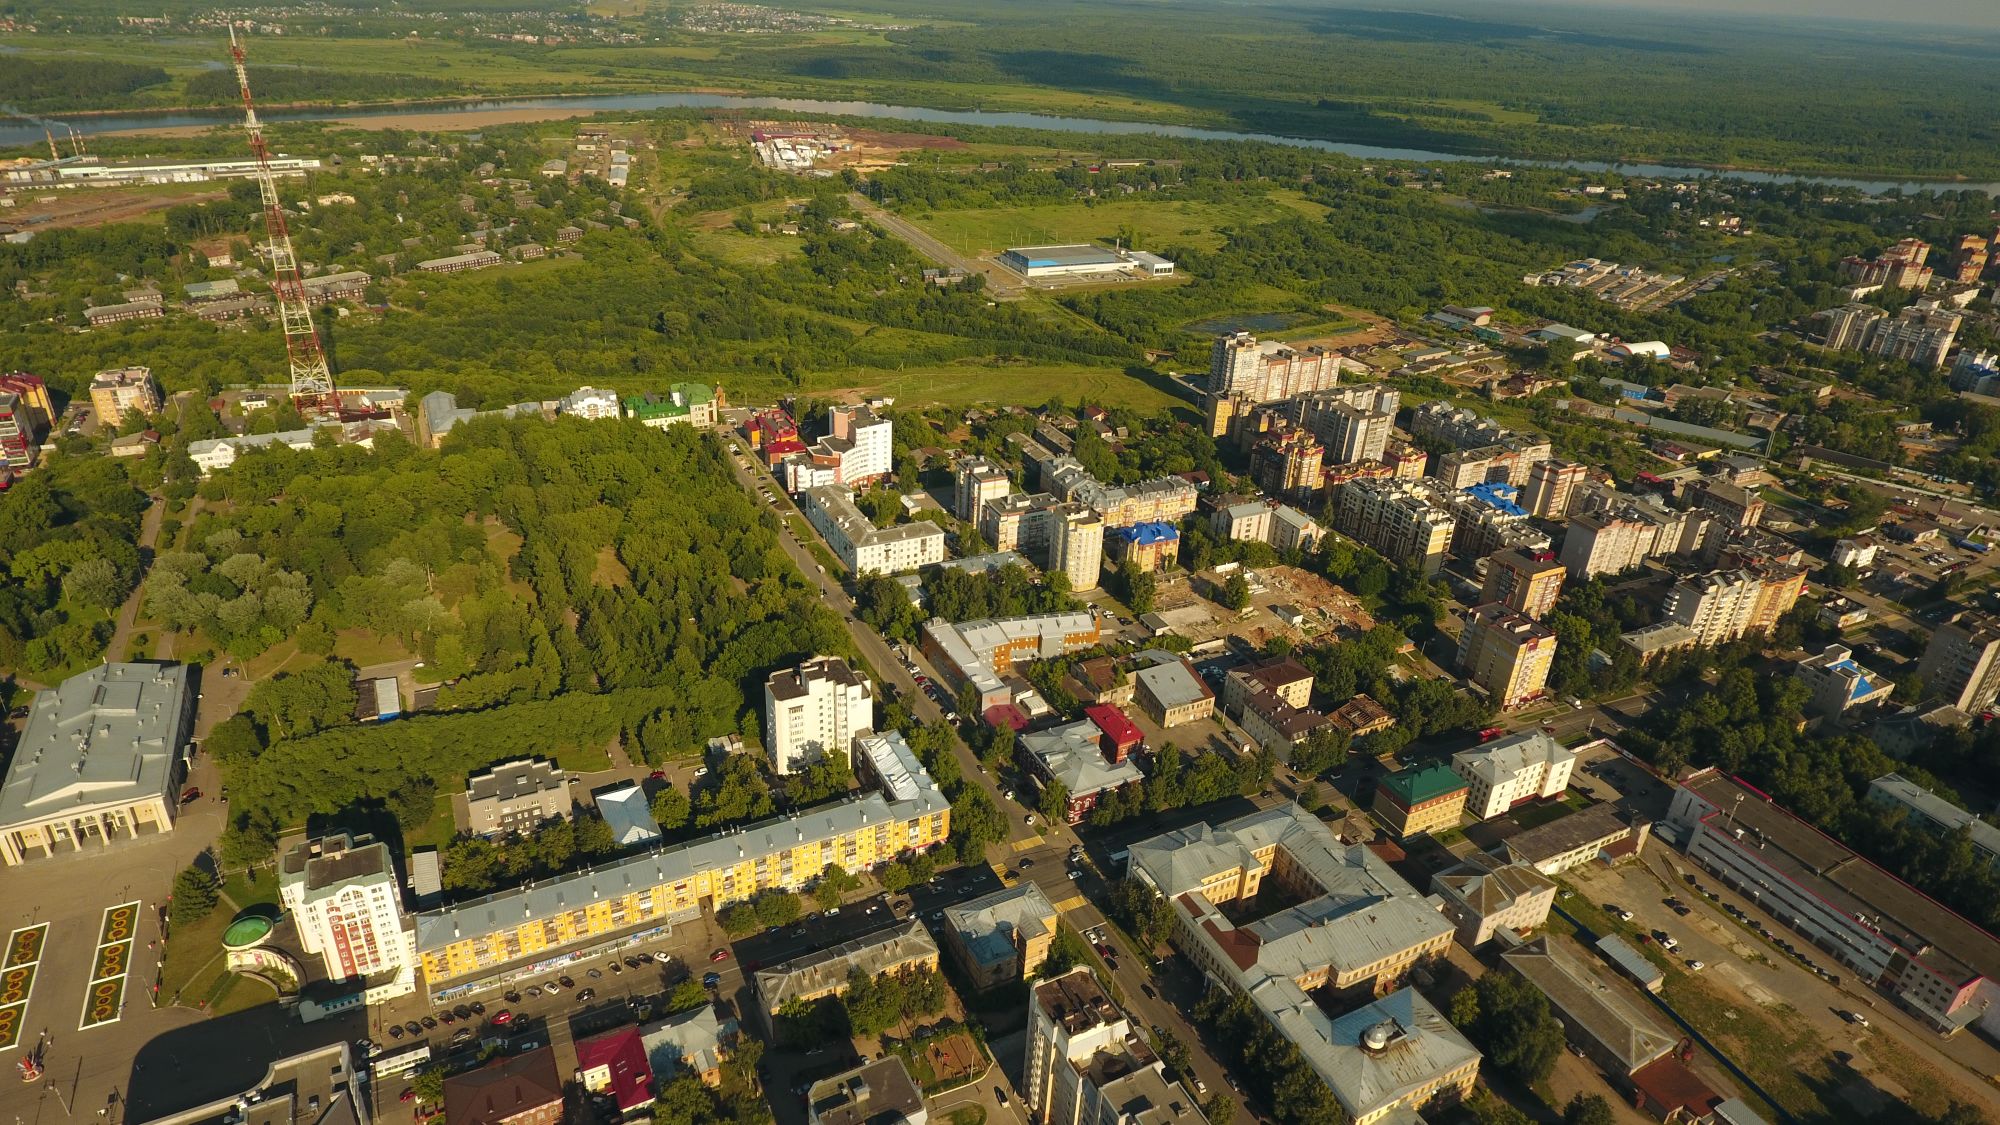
592, 403
861, 546
1504, 773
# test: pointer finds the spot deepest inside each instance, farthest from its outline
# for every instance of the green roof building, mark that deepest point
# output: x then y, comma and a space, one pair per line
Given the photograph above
1421, 800
691, 404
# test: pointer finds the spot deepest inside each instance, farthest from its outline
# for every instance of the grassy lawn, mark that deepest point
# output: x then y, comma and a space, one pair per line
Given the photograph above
239, 889
735, 247
1540, 813
967, 1115
1780, 1052
281, 657
194, 957
1026, 386
435, 831
364, 648
1156, 222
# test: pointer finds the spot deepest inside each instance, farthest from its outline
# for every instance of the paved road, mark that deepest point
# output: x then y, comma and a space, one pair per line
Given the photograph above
1000, 285
887, 665
128, 614
1043, 848
1772, 976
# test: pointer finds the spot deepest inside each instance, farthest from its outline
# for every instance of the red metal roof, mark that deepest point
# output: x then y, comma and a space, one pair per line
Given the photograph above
1113, 723
623, 1053
1669, 1085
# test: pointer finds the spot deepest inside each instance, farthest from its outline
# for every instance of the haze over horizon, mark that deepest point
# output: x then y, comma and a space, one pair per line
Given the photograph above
1983, 15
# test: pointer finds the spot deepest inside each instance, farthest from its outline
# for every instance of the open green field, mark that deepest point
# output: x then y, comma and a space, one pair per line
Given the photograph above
970, 385
1154, 224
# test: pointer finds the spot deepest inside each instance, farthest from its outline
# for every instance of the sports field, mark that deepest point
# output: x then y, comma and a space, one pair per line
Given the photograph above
1151, 224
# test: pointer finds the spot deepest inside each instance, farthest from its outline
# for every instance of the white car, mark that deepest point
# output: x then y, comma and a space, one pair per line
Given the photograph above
1697, 966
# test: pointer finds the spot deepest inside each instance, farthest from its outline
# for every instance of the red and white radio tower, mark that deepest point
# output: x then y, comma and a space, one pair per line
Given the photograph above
312, 378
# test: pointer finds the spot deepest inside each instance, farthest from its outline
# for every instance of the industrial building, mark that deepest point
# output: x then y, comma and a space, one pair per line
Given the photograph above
1939, 967
1082, 260
1620, 1034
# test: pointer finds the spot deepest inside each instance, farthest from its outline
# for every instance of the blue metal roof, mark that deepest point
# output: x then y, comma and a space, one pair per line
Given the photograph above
1498, 494
1146, 534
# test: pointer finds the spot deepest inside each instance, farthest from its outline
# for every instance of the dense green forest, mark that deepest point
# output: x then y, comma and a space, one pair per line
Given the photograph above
59, 84
580, 582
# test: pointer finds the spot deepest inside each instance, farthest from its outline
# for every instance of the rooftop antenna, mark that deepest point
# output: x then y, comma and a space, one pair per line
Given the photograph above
312, 378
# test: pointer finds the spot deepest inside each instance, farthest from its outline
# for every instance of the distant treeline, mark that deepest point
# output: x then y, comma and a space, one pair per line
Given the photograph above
61, 84
280, 84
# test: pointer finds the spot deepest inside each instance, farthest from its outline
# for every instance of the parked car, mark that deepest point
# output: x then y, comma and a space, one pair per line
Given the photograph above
1855, 1018
711, 979
395, 1031
503, 1017
586, 996
1697, 966
719, 955
190, 794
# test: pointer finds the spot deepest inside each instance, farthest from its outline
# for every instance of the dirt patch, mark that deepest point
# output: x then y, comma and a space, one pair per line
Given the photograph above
89, 207
877, 139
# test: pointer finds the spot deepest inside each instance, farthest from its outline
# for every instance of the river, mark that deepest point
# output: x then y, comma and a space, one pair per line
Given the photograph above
16, 131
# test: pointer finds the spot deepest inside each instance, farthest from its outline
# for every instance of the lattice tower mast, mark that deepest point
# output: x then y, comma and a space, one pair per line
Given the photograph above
312, 378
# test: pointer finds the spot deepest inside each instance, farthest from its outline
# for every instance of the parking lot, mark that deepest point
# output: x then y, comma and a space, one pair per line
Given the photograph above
1723, 932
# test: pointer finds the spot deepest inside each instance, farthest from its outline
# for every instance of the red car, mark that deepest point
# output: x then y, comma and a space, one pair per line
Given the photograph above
657, 775
719, 955
409, 1094
503, 1017
190, 794
1490, 733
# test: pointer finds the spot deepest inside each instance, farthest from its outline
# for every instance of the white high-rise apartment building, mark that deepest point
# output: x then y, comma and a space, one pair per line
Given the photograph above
863, 437
1405, 521
1606, 543
1550, 484
346, 902
1076, 545
1718, 608
1266, 372
814, 710
977, 480
1088, 1064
